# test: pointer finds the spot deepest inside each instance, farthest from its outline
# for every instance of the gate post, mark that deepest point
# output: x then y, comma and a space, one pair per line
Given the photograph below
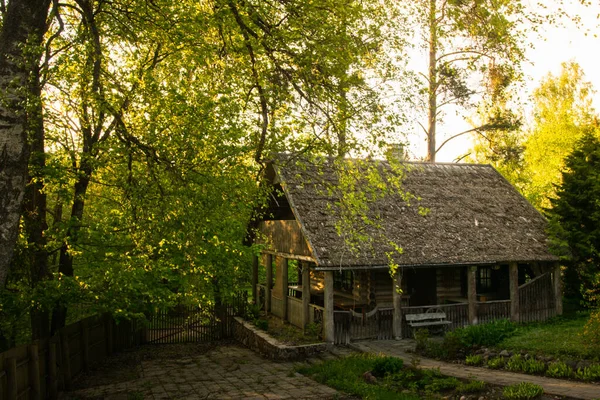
329, 325
472, 294
513, 274
397, 299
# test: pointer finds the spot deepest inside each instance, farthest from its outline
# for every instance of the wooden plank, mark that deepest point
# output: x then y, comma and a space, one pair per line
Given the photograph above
472, 293
513, 272
329, 326
283, 236
34, 373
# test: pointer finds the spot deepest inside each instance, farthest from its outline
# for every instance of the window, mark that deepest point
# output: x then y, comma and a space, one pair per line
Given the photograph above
484, 279
343, 280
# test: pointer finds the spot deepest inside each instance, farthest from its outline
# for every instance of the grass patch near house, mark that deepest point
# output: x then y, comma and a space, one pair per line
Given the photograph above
561, 337
289, 334
377, 377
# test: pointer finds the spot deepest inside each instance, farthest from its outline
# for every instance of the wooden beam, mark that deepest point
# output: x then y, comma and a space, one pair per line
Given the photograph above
305, 293
284, 265
254, 278
557, 281
472, 294
34, 373
329, 327
513, 273
289, 255
269, 285
397, 300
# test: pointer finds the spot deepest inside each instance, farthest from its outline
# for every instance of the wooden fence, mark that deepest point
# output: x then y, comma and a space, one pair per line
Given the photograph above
375, 324
536, 299
294, 312
488, 311
41, 369
457, 313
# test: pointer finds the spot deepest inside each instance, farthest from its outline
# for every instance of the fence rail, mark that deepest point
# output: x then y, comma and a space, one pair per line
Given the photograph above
536, 299
488, 311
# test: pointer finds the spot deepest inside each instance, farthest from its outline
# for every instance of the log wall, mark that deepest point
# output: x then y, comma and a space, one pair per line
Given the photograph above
283, 236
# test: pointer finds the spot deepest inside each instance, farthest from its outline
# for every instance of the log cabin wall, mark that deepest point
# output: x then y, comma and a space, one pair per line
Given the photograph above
448, 283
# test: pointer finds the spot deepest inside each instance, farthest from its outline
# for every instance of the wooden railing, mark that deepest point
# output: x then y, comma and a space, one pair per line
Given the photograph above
457, 313
536, 299
488, 311
294, 313
375, 324
277, 306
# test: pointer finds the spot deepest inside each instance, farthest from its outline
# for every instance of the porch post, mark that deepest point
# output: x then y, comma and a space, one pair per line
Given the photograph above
283, 264
397, 299
269, 284
557, 288
513, 273
254, 279
329, 327
305, 293
472, 294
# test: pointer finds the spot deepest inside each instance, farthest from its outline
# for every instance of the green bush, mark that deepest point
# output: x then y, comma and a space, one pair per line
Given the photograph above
421, 338
489, 334
523, 391
516, 363
261, 324
496, 363
313, 329
559, 369
471, 387
386, 365
475, 360
533, 366
591, 373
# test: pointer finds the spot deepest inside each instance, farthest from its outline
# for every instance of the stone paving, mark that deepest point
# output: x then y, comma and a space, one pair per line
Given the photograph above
551, 386
225, 372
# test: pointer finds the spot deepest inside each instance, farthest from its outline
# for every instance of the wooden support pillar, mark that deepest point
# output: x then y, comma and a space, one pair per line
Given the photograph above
254, 279
329, 327
557, 281
305, 293
513, 273
34, 373
269, 283
85, 344
283, 264
66, 360
472, 294
397, 300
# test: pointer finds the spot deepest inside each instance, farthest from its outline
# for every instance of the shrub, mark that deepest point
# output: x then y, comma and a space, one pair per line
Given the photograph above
261, 324
441, 384
591, 331
522, 391
386, 366
313, 329
496, 363
559, 369
474, 360
471, 387
591, 373
533, 366
421, 338
489, 334
516, 363
253, 312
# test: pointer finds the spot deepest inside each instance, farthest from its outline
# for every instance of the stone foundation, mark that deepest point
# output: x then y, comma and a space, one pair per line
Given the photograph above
259, 341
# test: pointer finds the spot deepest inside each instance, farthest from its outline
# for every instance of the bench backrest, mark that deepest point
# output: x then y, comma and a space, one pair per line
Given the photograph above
425, 316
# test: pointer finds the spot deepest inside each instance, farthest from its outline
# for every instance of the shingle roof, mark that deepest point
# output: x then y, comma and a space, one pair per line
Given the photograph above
474, 216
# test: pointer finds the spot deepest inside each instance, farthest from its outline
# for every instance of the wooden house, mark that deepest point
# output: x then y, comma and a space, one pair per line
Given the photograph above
472, 246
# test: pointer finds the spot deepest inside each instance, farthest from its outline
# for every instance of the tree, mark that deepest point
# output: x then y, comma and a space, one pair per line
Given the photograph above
21, 38
562, 114
474, 50
575, 219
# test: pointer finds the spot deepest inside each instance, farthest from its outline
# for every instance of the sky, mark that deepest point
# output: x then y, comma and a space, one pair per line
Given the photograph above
553, 45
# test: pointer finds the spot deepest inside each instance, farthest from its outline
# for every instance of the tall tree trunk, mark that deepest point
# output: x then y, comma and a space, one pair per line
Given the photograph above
23, 28
35, 202
65, 261
432, 120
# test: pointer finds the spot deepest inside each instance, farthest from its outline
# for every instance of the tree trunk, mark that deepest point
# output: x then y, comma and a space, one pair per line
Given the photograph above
24, 25
432, 119
35, 202
65, 261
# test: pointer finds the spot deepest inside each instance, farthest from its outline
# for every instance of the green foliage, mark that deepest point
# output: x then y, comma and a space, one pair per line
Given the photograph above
421, 339
471, 387
575, 219
516, 363
262, 324
590, 373
533, 366
475, 360
489, 334
313, 329
591, 332
558, 369
387, 366
522, 391
496, 363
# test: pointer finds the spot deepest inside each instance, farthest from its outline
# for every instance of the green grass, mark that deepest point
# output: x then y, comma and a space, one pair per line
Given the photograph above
559, 337
394, 382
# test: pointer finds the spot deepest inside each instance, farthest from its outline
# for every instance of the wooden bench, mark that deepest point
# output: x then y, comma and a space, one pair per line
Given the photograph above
434, 317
